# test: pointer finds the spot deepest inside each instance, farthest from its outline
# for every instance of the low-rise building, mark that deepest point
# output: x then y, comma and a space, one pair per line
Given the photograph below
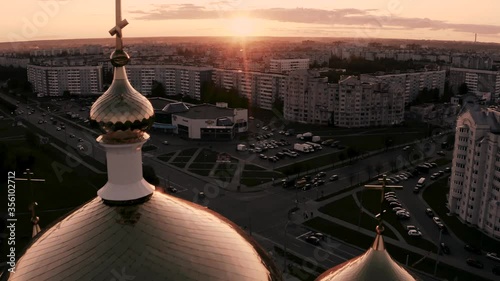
210, 122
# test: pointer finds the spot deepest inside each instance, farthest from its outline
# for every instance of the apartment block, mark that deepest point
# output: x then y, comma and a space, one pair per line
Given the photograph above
53, 81
474, 194
176, 79
478, 81
412, 83
286, 65
261, 89
359, 103
309, 98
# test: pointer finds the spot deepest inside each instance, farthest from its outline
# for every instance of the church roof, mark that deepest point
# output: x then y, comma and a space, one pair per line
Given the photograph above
374, 264
165, 238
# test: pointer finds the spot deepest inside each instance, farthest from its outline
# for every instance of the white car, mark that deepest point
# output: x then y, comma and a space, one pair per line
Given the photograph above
411, 227
493, 256
437, 220
415, 233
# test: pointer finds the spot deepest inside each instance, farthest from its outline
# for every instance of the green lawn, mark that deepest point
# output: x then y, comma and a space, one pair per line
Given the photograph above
253, 178
225, 172
442, 161
250, 167
397, 253
166, 157
309, 165
435, 196
188, 152
180, 161
338, 209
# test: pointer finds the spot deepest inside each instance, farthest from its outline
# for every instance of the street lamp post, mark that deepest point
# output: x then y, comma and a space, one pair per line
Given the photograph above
284, 245
439, 246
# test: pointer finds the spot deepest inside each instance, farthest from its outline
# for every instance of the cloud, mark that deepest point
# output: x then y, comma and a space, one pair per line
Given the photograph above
338, 17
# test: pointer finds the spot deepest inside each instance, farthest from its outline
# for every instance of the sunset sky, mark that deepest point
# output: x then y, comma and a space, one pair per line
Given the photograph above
25, 20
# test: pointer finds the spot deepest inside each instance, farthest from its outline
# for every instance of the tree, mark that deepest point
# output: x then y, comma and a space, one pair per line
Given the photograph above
369, 170
278, 104
157, 89
149, 175
66, 94
342, 157
32, 139
378, 168
352, 176
351, 153
463, 89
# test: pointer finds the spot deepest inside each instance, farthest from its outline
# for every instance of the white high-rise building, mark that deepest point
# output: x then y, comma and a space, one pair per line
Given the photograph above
475, 180
364, 104
54, 81
286, 65
261, 89
176, 79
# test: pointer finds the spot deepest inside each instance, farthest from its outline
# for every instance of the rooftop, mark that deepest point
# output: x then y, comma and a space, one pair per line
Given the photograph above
206, 111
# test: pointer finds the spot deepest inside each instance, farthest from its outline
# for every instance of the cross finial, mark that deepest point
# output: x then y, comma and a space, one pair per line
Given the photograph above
117, 29
382, 188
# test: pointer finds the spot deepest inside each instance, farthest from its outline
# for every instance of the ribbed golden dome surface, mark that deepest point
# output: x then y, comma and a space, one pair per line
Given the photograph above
165, 238
374, 265
121, 107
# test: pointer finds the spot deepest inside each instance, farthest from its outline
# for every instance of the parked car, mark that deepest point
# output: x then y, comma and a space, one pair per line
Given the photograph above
72, 136
410, 227
172, 189
474, 263
429, 212
493, 256
321, 174
334, 178
437, 220
395, 209
447, 170
201, 195
165, 142
312, 239
441, 153
415, 233
472, 249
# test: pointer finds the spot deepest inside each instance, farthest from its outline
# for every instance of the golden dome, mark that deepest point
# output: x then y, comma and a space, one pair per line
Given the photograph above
165, 238
375, 264
121, 108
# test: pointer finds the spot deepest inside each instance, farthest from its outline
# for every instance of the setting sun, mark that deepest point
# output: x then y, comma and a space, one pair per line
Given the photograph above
242, 26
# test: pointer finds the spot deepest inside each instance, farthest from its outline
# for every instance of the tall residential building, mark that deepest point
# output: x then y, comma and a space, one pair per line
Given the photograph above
478, 81
309, 98
176, 79
475, 180
412, 83
54, 81
286, 65
261, 89
359, 103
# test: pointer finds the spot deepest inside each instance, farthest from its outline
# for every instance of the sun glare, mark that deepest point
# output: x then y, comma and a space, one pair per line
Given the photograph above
242, 26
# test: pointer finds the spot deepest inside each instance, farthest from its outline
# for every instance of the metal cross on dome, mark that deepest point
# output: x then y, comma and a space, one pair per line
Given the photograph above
382, 188
34, 218
117, 29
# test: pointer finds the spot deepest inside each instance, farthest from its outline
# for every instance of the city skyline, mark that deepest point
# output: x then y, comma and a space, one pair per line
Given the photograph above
398, 19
